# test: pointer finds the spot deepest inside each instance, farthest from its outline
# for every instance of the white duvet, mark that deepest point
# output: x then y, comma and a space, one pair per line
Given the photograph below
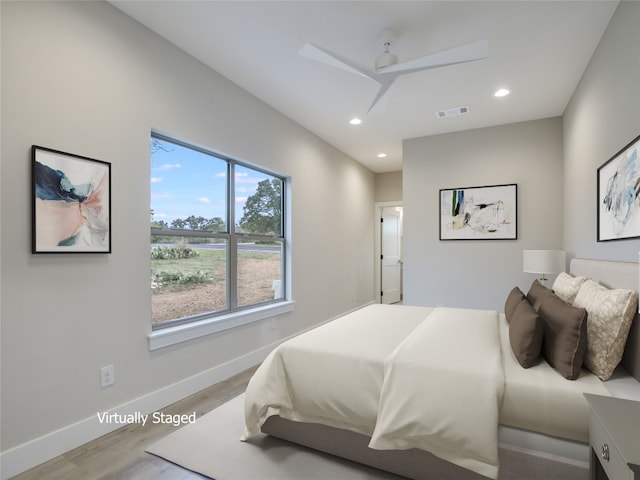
429, 379
442, 390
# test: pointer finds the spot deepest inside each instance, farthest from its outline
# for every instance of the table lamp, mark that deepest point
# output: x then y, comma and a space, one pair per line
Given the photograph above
543, 262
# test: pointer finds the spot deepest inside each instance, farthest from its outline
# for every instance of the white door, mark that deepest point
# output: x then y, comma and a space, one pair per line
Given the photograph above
391, 254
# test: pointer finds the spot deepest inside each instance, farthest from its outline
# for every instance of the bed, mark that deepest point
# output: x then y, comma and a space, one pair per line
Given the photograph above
342, 388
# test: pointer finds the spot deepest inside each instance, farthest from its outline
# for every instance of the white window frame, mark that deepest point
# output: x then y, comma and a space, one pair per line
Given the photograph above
181, 330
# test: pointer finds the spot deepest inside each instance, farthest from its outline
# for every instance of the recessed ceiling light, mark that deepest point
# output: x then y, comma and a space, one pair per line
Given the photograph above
503, 92
355, 121
382, 155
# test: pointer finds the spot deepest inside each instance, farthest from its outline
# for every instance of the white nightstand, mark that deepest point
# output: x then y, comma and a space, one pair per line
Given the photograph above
614, 435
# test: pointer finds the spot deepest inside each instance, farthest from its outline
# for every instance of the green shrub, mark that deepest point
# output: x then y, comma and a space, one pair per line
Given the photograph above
168, 279
173, 253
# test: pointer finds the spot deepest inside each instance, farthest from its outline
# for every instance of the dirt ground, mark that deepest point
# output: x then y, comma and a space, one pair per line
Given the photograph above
255, 285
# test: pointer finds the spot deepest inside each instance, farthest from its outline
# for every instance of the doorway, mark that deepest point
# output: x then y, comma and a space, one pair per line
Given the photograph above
389, 253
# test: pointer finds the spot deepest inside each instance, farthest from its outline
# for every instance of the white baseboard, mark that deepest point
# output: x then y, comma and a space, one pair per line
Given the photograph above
30, 454
34, 452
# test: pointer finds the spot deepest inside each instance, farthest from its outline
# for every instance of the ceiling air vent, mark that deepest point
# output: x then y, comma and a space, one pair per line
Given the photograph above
452, 112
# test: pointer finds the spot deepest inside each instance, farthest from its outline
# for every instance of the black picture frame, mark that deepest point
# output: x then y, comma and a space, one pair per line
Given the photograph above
618, 187
71, 210
479, 213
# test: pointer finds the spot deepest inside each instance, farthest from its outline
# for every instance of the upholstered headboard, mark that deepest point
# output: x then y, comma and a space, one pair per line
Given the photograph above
613, 274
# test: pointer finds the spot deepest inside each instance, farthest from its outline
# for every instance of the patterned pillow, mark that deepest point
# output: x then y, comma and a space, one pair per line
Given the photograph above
567, 286
610, 313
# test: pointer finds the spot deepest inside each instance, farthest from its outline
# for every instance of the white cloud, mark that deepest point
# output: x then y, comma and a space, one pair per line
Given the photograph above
159, 196
242, 177
156, 179
169, 166
203, 200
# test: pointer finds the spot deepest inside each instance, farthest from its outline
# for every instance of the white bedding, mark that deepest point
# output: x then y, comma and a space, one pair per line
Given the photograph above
332, 374
342, 375
539, 399
339, 375
442, 390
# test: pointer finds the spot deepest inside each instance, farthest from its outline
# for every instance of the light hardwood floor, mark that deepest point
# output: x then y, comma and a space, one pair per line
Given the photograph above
120, 455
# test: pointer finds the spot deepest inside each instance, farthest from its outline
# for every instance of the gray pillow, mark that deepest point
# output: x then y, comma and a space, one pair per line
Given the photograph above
536, 294
525, 334
513, 299
565, 335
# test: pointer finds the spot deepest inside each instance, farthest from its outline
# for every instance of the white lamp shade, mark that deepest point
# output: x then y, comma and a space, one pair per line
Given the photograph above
543, 261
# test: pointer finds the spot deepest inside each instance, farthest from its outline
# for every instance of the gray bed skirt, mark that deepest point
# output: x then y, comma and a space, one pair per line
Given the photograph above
515, 463
415, 464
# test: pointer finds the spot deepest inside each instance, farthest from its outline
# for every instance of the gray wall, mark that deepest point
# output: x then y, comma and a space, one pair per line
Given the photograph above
554, 163
388, 187
82, 77
479, 273
602, 117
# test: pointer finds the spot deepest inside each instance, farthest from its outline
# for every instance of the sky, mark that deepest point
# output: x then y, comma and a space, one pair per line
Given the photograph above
187, 182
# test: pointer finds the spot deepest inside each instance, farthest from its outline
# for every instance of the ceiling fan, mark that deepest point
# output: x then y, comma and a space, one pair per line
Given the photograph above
387, 69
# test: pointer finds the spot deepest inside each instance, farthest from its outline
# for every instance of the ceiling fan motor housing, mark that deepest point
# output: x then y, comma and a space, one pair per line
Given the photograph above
385, 38
386, 59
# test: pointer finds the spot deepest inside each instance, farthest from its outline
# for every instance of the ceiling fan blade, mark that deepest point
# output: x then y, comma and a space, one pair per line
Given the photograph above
464, 53
328, 57
381, 100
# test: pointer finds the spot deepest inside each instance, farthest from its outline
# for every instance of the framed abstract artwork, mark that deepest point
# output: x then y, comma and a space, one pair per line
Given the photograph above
71, 203
618, 189
479, 213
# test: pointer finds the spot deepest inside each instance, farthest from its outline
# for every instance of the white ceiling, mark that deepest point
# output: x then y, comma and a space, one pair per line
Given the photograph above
537, 49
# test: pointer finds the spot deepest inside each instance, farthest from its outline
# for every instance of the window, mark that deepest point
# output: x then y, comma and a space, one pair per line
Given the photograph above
217, 235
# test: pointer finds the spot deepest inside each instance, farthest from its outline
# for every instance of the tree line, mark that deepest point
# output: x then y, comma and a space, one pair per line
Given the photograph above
262, 214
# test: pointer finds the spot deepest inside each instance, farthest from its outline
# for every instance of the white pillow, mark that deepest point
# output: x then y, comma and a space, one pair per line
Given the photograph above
567, 286
610, 313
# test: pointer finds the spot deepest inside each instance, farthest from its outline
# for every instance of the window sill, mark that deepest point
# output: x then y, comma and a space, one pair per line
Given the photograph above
190, 331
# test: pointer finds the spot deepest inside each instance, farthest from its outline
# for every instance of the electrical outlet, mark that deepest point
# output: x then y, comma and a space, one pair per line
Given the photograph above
107, 376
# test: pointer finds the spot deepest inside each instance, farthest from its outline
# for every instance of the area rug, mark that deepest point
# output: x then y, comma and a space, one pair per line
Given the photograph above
211, 447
